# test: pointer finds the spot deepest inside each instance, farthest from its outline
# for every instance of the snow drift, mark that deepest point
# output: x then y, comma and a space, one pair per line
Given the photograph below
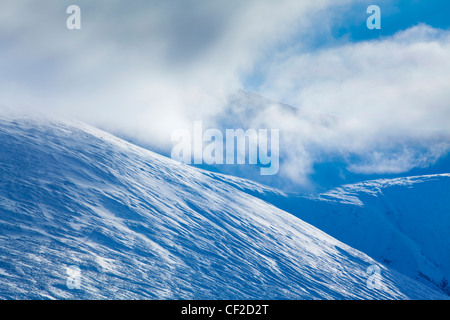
139, 225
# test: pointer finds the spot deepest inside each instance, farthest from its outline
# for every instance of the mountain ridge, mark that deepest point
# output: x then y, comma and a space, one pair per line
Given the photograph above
139, 225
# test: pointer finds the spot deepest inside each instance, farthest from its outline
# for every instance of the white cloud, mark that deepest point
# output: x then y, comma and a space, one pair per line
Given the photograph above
145, 68
387, 102
142, 68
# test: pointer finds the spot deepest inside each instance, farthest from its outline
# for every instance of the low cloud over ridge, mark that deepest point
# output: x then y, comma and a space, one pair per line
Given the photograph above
147, 68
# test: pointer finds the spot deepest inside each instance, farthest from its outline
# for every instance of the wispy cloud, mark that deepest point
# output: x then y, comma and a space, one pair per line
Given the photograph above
145, 68
141, 67
388, 100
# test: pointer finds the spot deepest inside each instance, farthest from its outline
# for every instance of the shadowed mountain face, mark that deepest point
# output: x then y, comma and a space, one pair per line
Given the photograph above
403, 223
84, 214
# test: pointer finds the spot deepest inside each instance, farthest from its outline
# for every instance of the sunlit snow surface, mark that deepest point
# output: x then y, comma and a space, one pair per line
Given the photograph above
141, 226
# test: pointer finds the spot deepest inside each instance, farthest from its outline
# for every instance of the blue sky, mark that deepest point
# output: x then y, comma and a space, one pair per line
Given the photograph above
348, 24
397, 15
373, 101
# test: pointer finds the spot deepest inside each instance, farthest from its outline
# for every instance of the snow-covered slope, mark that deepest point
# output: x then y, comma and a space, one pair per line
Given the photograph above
403, 223
138, 225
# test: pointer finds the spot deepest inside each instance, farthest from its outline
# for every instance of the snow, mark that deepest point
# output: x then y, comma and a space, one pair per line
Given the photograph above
403, 223
139, 225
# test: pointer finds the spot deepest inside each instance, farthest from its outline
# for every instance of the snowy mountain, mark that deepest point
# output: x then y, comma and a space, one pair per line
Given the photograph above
84, 214
403, 223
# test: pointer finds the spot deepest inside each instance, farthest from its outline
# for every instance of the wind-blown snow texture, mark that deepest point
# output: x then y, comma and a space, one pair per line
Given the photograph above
402, 222
139, 225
